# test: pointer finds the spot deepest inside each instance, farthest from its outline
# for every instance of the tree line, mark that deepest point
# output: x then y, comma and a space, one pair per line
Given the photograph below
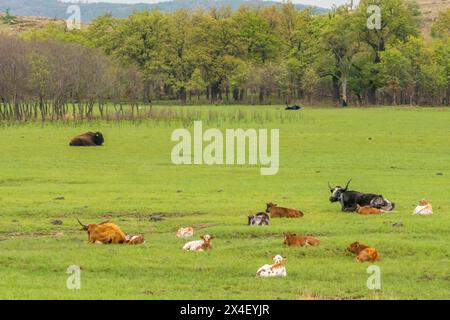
252, 55
56, 80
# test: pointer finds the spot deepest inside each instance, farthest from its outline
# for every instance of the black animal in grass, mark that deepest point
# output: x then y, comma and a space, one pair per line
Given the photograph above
350, 199
260, 219
294, 107
88, 139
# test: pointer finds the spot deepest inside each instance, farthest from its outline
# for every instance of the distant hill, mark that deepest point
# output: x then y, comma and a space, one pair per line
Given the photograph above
430, 10
25, 23
89, 11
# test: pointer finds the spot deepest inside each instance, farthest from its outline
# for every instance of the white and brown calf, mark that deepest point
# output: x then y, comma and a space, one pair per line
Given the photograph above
277, 269
134, 239
185, 232
199, 245
424, 208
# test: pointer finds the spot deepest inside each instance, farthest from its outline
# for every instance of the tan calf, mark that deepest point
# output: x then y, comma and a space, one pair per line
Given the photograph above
368, 210
278, 212
292, 239
363, 252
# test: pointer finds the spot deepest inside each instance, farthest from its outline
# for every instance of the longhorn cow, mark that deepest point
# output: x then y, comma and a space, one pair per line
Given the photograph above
351, 199
104, 232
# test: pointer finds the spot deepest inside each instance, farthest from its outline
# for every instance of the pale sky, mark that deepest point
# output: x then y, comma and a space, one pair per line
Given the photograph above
319, 3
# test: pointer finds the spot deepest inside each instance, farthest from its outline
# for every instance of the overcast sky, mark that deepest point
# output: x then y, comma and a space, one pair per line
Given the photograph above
320, 3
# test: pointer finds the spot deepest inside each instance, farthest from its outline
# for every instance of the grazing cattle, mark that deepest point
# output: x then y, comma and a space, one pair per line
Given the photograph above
363, 253
292, 239
424, 208
260, 219
277, 269
199, 245
350, 199
136, 239
88, 139
185, 232
368, 210
276, 211
104, 232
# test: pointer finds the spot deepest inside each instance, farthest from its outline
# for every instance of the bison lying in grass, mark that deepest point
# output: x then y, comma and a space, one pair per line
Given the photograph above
88, 139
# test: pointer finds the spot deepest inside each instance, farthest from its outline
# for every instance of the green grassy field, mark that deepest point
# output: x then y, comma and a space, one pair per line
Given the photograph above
131, 177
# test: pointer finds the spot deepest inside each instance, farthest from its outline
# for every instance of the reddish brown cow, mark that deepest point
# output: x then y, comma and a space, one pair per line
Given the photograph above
368, 210
276, 211
292, 239
104, 232
363, 252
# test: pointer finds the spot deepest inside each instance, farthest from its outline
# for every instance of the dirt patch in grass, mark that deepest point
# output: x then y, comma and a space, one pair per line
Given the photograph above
38, 234
316, 296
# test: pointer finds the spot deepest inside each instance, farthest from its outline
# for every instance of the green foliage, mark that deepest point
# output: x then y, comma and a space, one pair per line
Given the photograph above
441, 27
333, 54
8, 18
394, 68
58, 31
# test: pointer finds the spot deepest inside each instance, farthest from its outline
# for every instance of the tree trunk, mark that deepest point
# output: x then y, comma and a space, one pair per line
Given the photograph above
182, 95
344, 92
147, 92
372, 95
336, 90
261, 96
235, 94
394, 97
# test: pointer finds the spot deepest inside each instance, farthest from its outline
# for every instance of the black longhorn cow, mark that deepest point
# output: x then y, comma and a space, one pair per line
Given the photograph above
350, 199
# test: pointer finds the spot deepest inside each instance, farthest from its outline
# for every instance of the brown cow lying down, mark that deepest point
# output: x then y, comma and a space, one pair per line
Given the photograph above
104, 232
363, 253
88, 139
276, 211
292, 239
368, 210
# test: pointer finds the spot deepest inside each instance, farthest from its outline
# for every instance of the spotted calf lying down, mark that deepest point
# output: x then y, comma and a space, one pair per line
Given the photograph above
363, 253
136, 239
277, 269
199, 245
260, 219
424, 208
185, 232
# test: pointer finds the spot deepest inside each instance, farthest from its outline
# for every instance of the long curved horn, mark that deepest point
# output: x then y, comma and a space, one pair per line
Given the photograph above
347, 184
85, 227
329, 186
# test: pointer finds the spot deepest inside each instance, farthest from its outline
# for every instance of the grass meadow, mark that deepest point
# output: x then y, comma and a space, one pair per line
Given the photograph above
402, 153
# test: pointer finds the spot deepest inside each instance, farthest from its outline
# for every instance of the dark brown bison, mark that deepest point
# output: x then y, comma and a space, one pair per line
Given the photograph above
88, 139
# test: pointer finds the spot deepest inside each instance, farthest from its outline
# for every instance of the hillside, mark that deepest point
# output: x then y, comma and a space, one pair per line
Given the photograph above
24, 23
89, 11
430, 10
